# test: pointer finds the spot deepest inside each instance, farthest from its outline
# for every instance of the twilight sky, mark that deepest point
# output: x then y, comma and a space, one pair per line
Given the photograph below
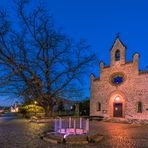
98, 21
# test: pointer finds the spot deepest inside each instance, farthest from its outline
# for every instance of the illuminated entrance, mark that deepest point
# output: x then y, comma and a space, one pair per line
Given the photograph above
117, 104
117, 107
117, 110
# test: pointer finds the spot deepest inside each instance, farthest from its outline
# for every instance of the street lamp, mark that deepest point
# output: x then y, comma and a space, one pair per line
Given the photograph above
35, 102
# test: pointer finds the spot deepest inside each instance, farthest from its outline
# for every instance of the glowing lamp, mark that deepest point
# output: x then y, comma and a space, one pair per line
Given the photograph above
35, 102
117, 99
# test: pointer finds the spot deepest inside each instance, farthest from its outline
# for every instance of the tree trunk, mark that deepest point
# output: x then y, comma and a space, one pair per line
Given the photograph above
48, 111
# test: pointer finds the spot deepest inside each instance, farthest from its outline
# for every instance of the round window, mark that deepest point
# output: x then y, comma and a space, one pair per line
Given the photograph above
117, 78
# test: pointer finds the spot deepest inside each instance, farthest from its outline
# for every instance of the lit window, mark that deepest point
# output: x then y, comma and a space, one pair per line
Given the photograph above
117, 55
99, 106
139, 107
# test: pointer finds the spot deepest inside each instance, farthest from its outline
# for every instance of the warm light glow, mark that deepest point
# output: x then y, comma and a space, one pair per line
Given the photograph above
35, 102
116, 108
117, 99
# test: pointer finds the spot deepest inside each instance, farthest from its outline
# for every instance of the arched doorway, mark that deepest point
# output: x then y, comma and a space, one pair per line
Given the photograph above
117, 104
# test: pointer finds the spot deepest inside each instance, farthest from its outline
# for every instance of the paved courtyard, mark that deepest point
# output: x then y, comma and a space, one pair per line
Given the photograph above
19, 133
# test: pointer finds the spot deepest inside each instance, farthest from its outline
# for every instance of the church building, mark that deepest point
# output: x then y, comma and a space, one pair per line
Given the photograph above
122, 90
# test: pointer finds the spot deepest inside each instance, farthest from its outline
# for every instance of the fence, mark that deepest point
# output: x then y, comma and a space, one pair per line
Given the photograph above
71, 125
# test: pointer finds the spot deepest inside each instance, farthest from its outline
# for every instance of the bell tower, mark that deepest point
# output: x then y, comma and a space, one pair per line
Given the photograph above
117, 52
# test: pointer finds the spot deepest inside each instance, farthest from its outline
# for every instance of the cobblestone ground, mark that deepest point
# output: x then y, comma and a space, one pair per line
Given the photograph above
19, 133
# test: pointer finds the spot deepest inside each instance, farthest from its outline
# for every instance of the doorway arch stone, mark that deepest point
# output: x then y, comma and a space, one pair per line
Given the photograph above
117, 97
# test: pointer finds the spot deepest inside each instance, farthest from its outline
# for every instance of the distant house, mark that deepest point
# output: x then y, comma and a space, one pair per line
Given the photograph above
14, 108
1, 111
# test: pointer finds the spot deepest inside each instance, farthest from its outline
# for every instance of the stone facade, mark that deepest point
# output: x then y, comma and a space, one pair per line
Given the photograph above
121, 90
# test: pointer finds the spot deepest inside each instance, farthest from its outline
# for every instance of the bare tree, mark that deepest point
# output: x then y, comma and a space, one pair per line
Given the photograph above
37, 61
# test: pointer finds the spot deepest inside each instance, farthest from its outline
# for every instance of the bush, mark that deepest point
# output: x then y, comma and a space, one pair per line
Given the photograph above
29, 110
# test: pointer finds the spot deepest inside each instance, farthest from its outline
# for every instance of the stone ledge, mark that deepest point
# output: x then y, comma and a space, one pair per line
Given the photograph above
54, 141
77, 142
72, 139
52, 138
95, 138
116, 120
137, 121
126, 120
41, 120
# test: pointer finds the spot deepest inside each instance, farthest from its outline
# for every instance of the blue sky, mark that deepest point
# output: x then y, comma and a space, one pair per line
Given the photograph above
98, 21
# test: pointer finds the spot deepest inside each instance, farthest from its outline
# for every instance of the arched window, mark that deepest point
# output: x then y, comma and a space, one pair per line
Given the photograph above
117, 55
139, 107
99, 106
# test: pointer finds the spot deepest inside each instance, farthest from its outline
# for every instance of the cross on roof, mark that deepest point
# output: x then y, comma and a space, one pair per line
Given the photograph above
118, 35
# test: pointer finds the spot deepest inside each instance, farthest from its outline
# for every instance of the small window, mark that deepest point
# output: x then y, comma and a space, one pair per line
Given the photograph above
139, 107
117, 55
99, 106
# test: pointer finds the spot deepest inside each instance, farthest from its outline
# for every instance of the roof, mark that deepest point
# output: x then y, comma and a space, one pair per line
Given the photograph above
117, 40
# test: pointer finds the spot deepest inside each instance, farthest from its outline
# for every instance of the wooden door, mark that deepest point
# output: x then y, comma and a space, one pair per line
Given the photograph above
117, 109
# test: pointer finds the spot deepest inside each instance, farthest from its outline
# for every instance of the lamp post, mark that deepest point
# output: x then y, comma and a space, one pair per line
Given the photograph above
35, 102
